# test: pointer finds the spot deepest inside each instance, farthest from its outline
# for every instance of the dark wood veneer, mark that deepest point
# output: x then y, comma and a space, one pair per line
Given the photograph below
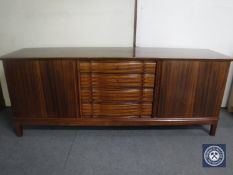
115, 86
210, 87
59, 79
25, 88
177, 88
192, 88
117, 53
42, 88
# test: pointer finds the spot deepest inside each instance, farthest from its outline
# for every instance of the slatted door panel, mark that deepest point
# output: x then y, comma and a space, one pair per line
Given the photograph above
116, 88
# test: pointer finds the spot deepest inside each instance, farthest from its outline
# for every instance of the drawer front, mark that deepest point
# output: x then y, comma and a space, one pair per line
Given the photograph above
117, 110
119, 95
116, 80
116, 88
118, 67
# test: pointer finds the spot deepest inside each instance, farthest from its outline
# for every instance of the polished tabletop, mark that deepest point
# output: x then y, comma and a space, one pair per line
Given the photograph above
114, 52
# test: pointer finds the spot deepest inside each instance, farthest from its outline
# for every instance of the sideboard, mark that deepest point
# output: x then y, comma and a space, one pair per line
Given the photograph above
115, 86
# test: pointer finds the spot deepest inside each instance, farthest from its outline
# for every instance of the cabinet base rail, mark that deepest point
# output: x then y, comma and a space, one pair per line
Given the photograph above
20, 123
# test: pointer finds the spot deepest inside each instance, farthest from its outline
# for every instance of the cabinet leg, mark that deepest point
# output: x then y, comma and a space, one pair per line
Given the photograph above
213, 128
18, 129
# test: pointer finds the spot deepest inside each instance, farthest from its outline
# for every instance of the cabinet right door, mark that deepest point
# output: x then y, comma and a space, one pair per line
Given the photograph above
191, 88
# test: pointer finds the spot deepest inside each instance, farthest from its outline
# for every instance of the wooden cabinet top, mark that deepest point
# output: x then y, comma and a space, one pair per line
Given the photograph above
114, 52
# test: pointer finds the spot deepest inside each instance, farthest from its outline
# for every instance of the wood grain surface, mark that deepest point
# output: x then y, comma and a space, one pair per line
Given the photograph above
192, 88
115, 86
59, 80
25, 88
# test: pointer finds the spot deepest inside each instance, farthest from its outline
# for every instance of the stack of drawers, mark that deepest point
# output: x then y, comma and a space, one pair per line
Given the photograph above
116, 88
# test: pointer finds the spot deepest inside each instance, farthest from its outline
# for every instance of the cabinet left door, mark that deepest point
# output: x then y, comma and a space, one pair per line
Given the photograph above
59, 81
25, 88
43, 88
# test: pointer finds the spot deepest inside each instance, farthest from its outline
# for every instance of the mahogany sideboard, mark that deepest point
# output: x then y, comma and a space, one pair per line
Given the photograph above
115, 86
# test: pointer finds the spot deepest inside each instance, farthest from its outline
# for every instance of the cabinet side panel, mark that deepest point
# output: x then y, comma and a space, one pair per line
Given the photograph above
210, 88
25, 88
60, 89
2, 101
177, 88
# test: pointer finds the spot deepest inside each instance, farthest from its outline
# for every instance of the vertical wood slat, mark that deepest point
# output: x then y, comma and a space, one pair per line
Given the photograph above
142, 85
79, 96
157, 81
91, 77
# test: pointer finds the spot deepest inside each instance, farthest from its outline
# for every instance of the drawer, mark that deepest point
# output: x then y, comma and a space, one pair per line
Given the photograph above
88, 80
117, 110
123, 66
101, 95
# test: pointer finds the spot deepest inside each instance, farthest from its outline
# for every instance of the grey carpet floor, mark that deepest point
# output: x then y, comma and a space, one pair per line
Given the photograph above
111, 151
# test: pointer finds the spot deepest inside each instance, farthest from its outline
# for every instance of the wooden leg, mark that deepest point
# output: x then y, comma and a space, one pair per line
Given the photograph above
213, 128
19, 129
